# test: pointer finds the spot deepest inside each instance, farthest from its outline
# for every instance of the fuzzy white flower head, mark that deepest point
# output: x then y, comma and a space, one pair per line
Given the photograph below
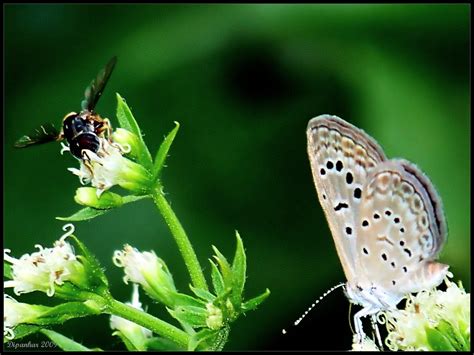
135, 333
104, 168
426, 311
147, 270
44, 269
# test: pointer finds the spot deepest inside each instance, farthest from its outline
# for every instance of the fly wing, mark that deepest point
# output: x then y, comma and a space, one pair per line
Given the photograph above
42, 134
94, 91
341, 157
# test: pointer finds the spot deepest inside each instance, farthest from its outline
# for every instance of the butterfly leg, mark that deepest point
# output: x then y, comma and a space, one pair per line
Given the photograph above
358, 322
373, 319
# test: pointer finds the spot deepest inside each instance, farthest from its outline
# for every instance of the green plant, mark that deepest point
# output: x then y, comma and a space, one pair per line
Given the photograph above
203, 317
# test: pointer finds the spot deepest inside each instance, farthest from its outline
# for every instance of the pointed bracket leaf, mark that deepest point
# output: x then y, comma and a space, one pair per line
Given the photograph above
89, 212
217, 279
64, 342
98, 278
255, 302
225, 268
239, 270
163, 151
128, 122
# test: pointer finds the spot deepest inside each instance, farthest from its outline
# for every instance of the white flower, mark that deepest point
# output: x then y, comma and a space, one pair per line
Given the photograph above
367, 344
146, 269
15, 313
426, 311
135, 333
44, 269
108, 167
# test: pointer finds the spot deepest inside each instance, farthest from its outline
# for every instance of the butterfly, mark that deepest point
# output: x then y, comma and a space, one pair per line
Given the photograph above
385, 216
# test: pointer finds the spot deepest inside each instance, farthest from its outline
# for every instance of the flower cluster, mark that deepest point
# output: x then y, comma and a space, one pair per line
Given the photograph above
45, 269
78, 279
432, 320
108, 167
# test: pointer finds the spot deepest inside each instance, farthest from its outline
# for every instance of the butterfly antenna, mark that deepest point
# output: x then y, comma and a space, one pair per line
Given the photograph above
298, 321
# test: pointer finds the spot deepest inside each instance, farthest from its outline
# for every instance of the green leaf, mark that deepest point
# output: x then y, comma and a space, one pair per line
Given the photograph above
200, 337
97, 277
89, 212
64, 342
163, 151
453, 335
217, 280
162, 344
7, 270
239, 270
128, 122
255, 302
84, 214
203, 294
192, 316
181, 299
65, 311
220, 339
133, 198
23, 330
128, 344
225, 268
437, 340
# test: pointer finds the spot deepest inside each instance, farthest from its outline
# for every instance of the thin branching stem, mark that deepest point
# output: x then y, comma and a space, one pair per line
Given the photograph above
179, 234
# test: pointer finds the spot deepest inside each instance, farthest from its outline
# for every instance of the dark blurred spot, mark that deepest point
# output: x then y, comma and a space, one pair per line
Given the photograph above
255, 74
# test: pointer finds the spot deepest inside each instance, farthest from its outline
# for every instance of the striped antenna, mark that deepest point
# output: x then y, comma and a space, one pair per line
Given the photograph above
298, 321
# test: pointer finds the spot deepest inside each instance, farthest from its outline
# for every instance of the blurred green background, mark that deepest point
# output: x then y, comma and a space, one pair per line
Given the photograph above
243, 81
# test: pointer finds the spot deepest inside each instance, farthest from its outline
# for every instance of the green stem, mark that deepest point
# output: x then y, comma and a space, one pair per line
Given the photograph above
148, 321
184, 245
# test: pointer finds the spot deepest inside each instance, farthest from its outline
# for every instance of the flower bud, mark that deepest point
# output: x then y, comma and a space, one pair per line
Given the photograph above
15, 313
214, 318
147, 270
127, 140
87, 196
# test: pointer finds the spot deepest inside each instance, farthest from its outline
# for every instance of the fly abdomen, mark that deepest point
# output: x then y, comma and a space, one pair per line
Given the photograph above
87, 140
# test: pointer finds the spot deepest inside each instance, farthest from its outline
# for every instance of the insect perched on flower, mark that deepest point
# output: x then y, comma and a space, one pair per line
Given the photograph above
84, 131
385, 216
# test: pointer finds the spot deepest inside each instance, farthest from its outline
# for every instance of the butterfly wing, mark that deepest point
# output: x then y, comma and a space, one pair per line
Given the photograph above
401, 229
341, 157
